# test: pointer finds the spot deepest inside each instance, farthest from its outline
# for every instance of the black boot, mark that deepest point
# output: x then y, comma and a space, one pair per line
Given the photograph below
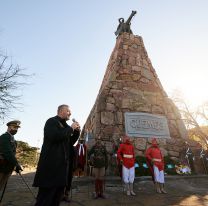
66, 197
97, 192
101, 185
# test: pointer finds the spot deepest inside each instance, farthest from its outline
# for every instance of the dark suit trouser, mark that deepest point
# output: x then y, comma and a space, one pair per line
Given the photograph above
3, 179
70, 176
49, 196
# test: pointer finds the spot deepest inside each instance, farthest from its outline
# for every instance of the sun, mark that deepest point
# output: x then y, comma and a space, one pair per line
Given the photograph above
192, 88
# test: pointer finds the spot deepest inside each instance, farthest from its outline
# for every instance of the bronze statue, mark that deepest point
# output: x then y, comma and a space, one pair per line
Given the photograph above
125, 26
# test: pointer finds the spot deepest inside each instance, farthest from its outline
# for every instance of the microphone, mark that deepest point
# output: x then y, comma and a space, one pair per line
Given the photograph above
73, 120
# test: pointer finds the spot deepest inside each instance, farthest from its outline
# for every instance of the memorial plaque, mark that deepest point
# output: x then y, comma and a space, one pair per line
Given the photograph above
138, 124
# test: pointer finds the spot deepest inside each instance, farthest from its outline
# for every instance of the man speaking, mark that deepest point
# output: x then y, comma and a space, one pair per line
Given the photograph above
56, 158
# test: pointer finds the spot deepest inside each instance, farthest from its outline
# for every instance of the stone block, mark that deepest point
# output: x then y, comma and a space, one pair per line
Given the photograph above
173, 153
107, 118
140, 143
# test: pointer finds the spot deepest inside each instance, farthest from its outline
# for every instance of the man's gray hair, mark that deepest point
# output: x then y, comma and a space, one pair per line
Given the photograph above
61, 107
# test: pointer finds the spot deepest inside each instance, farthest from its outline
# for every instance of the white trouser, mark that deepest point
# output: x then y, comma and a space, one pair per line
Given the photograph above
128, 174
158, 175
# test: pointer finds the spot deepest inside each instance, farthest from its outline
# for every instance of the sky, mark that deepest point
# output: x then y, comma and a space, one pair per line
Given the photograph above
67, 45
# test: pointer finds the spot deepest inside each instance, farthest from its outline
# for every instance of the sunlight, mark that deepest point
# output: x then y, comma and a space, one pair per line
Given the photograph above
194, 95
192, 88
194, 200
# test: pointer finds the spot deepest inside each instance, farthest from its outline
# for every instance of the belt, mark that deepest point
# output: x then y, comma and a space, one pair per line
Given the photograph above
157, 160
127, 156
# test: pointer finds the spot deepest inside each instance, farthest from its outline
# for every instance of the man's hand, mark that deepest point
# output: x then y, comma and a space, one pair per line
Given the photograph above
75, 126
18, 168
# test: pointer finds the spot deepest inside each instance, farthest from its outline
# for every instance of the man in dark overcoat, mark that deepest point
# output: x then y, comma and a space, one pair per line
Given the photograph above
8, 161
56, 158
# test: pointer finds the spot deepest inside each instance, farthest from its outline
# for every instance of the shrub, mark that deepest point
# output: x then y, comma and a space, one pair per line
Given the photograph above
143, 170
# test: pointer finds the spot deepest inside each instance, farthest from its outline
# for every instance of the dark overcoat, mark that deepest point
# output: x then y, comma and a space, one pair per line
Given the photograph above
56, 155
7, 153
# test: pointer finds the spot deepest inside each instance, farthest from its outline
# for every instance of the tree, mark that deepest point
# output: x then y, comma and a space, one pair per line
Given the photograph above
12, 79
203, 111
192, 117
27, 156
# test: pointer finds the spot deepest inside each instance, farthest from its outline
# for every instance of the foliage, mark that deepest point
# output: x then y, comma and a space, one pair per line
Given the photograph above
26, 155
170, 168
142, 170
194, 135
193, 118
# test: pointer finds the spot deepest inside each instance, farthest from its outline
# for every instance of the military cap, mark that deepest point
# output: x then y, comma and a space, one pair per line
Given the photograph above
15, 123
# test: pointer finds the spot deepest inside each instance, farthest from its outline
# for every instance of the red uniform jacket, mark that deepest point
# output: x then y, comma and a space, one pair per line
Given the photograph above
154, 152
125, 151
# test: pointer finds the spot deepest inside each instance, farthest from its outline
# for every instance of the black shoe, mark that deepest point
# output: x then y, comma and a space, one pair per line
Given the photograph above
96, 196
66, 199
102, 196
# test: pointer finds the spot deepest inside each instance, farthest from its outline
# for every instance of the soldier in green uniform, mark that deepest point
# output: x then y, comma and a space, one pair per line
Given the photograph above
100, 163
8, 161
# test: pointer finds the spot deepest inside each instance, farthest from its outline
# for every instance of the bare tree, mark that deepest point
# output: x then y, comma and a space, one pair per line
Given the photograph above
192, 117
12, 80
203, 111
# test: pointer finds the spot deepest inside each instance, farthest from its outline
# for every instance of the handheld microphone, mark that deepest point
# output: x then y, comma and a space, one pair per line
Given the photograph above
73, 120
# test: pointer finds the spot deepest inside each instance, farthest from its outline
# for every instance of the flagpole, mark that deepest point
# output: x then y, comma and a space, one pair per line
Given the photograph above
86, 140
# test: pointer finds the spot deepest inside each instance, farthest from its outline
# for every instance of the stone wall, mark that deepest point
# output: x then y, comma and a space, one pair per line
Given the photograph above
130, 84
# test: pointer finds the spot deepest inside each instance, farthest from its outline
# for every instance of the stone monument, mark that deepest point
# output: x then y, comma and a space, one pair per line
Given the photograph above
132, 101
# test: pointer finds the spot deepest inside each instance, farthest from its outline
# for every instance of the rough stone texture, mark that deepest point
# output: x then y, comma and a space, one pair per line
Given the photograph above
130, 84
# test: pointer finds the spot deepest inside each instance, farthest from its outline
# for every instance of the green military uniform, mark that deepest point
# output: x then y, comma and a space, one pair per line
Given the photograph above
7, 153
100, 158
8, 160
100, 163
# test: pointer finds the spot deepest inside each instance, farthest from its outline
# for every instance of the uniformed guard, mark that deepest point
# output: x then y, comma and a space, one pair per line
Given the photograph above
126, 156
189, 156
8, 161
155, 161
100, 164
81, 149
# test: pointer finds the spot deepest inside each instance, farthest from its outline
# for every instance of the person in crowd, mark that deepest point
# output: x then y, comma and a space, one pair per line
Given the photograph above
100, 164
155, 162
189, 156
116, 167
202, 154
126, 157
8, 160
81, 150
55, 166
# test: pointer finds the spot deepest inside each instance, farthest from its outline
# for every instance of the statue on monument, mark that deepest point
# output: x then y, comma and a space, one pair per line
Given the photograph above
125, 26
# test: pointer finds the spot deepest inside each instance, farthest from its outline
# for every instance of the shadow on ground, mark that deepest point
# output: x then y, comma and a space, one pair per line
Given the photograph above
182, 191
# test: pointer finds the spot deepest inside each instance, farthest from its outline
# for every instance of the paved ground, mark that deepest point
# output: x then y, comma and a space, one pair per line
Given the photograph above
182, 191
